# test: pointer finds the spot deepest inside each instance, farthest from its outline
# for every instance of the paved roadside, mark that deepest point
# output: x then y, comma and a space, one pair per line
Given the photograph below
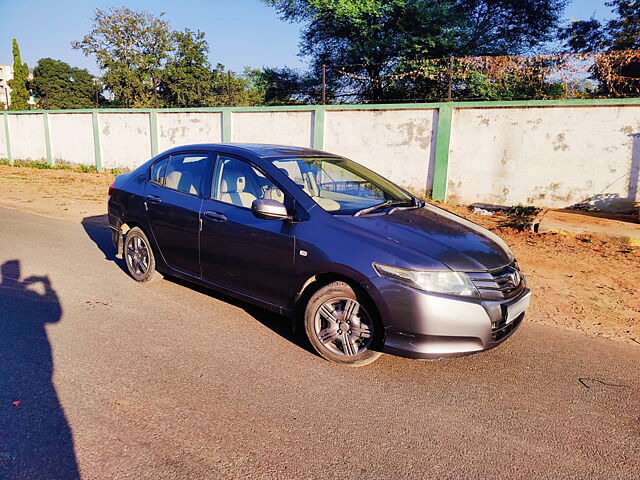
622, 229
584, 284
122, 380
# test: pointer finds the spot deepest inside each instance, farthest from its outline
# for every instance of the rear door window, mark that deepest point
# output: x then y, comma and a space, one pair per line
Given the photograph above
158, 170
185, 172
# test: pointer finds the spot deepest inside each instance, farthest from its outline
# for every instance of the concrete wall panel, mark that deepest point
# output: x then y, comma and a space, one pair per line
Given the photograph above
3, 143
548, 157
398, 144
72, 138
124, 138
284, 128
183, 128
27, 137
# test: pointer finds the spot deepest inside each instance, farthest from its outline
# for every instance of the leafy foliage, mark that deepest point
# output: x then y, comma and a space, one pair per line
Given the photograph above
241, 90
40, 165
583, 36
131, 47
377, 38
624, 31
57, 85
188, 80
617, 74
284, 86
19, 92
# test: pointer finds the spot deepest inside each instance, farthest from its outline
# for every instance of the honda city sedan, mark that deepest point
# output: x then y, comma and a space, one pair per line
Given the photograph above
361, 264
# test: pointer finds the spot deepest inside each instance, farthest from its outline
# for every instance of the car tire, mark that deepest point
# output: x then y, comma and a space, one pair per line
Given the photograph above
139, 257
343, 326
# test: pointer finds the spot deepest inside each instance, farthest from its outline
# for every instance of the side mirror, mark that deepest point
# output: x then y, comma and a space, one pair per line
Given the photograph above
269, 210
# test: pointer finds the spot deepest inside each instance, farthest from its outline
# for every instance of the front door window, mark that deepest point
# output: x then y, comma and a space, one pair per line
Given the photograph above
238, 183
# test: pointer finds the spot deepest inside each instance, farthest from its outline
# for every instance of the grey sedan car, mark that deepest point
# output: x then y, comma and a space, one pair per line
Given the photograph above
363, 265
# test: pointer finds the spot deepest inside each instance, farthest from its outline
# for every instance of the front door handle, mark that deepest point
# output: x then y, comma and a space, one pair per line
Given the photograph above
153, 199
217, 216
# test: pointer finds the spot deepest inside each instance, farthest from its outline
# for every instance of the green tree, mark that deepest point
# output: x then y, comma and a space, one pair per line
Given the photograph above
618, 34
19, 92
237, 90
131, 47
376, 38
57, 85
284, 86
624, 30
583, 36
188, 80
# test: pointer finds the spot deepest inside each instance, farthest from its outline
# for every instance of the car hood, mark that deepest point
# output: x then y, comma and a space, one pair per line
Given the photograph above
457, 243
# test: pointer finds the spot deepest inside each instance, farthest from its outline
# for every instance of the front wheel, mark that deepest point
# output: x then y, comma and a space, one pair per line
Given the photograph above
342, 326
139, 256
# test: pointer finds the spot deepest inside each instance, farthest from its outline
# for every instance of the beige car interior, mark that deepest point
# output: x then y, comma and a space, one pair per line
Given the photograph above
311, 188
182, 181
240, 185
232, 188
185, 173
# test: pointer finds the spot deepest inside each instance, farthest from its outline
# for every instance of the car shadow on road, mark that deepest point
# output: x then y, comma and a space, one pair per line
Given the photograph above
35, 438
97, 229
277, 323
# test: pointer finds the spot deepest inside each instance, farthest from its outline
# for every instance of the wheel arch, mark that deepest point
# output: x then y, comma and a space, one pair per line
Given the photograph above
313, 283
128, 223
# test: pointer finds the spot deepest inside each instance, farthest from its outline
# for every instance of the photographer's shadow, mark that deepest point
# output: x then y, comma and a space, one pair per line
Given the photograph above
35, 439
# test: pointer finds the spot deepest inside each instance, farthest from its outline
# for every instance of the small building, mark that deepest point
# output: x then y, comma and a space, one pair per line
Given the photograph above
6, 74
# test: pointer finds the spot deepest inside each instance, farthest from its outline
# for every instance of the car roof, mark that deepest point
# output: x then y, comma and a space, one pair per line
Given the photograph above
259, 149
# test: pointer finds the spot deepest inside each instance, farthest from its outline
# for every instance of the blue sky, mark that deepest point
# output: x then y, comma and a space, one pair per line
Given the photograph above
240, 32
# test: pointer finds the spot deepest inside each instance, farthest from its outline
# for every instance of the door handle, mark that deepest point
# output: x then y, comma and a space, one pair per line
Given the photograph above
153, 199
217, 216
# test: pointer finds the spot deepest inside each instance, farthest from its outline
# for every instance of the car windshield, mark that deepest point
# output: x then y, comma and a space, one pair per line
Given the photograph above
341, 186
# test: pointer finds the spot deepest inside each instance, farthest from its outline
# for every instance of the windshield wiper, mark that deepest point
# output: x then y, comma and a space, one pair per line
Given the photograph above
378, 206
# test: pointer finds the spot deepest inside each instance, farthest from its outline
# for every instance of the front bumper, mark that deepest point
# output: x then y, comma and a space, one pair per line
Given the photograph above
425, 325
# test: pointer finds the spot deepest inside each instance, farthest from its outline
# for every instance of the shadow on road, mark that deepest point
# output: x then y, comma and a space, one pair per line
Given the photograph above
35, 439
277, 323
97, 229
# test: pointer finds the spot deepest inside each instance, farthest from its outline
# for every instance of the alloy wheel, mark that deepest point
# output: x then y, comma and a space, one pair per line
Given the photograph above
138, 256
343, 326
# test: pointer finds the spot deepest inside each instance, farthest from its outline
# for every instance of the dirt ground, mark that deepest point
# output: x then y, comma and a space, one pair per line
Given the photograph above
578, 283
54, 193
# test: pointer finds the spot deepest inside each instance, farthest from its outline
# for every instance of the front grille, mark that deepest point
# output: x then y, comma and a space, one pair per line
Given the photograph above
501, 329
499, 284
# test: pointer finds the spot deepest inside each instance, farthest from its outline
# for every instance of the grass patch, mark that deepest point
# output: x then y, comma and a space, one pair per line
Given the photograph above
41, 165
32, 164
86, 169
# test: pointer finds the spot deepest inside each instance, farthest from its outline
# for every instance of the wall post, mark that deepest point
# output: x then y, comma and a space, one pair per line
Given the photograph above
153, 132
226, 126
96, 141
7, 139
443, 142
47, 138
318, 128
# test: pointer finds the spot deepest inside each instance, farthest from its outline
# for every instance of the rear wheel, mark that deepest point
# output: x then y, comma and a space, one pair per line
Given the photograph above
139, 257
342, 326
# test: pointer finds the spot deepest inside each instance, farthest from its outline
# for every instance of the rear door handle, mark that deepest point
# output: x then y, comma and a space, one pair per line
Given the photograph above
153, 199
217, 216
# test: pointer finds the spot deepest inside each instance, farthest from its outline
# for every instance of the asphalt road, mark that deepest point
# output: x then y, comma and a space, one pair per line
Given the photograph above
118, 380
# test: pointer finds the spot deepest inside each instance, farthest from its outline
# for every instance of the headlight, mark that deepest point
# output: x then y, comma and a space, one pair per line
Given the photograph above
450, 283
